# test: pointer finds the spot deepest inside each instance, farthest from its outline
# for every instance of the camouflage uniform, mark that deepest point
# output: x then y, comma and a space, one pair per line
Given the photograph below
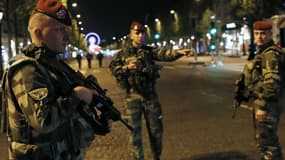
141, 96
264, 80
41, 108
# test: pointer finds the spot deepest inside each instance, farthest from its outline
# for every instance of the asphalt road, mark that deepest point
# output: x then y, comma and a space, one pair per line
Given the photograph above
197, 107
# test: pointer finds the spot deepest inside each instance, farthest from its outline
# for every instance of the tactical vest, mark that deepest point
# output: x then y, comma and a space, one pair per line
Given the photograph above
253, 69
147, 71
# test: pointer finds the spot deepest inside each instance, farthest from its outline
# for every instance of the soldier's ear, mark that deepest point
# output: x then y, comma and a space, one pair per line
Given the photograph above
38, 33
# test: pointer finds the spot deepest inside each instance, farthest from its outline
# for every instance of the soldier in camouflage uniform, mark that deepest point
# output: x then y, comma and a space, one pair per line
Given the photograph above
41, 109
264, 81
135, 69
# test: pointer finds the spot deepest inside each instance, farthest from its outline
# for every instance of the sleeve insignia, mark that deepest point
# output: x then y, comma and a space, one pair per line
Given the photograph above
272, 65
39, 93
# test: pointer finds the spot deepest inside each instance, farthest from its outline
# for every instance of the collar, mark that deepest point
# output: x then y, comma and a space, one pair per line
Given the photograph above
264, 46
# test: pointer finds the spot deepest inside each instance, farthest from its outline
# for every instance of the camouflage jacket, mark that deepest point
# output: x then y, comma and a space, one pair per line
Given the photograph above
264, 75
147, 71
39, 101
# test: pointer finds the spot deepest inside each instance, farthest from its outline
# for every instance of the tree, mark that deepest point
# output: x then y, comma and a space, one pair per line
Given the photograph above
255, 9
204, 23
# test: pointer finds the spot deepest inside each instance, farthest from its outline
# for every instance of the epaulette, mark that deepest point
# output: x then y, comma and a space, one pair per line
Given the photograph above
273, 48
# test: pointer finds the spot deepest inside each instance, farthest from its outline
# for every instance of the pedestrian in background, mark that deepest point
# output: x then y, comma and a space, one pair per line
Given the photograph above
78, 59
264, 83
89, 58
41, 106
100, 57
135, 69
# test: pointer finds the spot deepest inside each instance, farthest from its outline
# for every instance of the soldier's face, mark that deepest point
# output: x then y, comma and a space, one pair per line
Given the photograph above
137, 37
262, 36
54, 36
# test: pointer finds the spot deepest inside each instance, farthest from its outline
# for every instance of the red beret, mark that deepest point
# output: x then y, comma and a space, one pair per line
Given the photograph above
54, 9
137, 26
262, 25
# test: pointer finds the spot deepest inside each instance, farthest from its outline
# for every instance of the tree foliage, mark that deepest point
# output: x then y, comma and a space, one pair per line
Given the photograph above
255, 9
204, 23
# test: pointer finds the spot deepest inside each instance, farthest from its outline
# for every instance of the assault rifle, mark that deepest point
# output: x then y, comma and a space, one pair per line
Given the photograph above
99, 102
239, 94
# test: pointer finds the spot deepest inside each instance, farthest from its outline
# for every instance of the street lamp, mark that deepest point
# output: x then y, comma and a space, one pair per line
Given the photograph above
1, 56
175, 21
74, 4
158, 25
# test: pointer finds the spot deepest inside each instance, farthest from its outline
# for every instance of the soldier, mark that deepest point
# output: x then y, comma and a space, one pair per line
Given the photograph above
43, 122
135, 69
264, 82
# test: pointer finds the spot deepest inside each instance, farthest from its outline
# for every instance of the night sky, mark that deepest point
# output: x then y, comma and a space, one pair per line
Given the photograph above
111, 18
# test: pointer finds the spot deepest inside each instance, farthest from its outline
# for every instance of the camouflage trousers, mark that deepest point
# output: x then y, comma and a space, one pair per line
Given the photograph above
138, 105
266, 134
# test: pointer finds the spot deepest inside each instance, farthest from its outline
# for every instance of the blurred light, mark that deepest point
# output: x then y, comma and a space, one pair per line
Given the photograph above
212, 47
175, 47
73, 54
156, 20
74, 4
172, 12
13, 47
231, 25
208, 36
180, 40
156, 36
1, 15
158, 44
213, 31
78, 16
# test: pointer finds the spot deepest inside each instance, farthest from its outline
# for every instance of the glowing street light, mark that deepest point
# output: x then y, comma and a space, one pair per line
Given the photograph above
176, 20
158, 25
74, 4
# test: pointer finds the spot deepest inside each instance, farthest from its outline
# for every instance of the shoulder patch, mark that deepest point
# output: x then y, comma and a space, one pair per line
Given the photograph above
39, 93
